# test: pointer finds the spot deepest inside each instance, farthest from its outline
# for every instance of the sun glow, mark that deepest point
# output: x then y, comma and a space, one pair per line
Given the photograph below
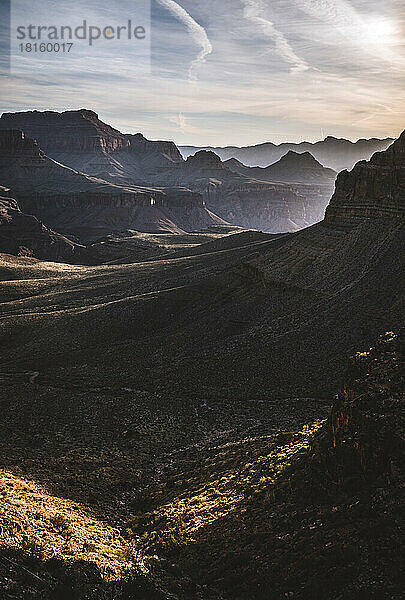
380, 31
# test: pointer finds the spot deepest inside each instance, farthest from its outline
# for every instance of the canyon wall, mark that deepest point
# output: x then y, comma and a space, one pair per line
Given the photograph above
23, 234
88, 207
372, 189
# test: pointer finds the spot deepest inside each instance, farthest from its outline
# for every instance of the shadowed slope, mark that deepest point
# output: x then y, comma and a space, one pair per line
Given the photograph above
307, 520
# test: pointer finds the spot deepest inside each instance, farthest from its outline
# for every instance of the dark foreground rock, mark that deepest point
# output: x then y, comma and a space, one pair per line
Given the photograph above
331, 527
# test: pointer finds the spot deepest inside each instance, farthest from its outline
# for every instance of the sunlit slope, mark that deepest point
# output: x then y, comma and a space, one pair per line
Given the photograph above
264, 318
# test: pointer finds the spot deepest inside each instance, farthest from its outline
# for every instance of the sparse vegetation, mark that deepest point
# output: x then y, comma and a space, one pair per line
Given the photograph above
46, 527
179, 521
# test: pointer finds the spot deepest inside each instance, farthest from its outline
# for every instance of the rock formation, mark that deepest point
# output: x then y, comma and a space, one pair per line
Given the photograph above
292, 167
25, 235
372, 189
81, 141
88, 207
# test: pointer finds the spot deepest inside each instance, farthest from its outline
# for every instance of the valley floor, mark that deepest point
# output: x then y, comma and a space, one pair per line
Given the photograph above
145, 406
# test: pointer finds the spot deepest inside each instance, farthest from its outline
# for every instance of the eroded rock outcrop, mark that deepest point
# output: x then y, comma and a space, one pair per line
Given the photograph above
372, 189
24, 235
293, 167
79, 205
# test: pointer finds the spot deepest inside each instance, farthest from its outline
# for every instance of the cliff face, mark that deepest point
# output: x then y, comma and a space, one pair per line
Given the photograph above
80, 140
138, 143
15, 145
24, 235
87, 207
373, 189
272, 207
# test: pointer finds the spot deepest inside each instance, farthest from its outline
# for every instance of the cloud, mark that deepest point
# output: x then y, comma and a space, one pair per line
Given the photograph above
371, 31
340, 13
197, 32
183, 125
253, 11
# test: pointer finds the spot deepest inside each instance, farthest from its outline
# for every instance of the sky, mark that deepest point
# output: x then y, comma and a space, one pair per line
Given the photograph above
219, 72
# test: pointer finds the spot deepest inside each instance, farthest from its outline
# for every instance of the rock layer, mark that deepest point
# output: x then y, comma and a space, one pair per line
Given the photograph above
24, 235
372, 189
77, 204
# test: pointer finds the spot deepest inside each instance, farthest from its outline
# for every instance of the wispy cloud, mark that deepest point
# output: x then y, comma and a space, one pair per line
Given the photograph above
339, 12
244, 95
255, 11
371, 32
184, 126
197, 32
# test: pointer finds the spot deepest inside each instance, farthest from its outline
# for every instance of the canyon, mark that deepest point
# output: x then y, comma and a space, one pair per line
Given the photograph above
87, 207
170, 418
274, 203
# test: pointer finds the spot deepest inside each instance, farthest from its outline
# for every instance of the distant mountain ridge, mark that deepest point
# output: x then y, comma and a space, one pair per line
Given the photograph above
335, 153
292, 167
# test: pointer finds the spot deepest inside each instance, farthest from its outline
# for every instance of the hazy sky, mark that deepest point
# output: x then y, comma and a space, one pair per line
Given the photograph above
223, 71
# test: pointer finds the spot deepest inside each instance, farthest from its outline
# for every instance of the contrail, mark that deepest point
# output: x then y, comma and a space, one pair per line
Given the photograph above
197, 32
253, 10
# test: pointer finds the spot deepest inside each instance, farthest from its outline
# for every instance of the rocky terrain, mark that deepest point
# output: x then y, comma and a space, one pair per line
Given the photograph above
325, 525
24, 235
335, 153
88, 208
81, 141
164, 419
